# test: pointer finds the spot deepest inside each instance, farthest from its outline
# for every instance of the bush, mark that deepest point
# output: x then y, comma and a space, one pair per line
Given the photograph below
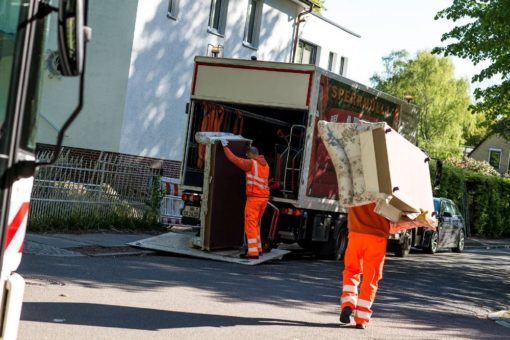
480, 167
484, 199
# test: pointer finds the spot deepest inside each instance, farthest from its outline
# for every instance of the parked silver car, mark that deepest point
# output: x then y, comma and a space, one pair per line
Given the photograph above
450, 233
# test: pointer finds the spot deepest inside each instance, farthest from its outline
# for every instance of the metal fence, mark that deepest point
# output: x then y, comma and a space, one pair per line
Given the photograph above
78, 186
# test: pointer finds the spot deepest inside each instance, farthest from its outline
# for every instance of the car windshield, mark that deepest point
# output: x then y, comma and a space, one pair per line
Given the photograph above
437, 204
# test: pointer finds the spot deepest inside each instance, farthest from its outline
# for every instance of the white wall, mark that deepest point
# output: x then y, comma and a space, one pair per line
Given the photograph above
161, 70
99, 124
140, 66
331, 38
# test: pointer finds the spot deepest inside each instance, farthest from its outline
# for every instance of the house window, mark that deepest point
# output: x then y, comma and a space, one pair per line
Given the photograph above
343, 66
306, 53
253, 18
218, 16
495, 158
173, 9
508, 169
331, 61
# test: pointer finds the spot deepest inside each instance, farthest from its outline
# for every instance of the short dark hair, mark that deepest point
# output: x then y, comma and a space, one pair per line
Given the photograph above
253, 150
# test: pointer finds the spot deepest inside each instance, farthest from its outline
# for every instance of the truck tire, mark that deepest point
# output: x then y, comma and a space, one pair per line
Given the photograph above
404, 248
334, 248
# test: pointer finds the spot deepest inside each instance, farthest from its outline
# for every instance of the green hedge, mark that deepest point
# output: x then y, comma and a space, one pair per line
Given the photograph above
485, 200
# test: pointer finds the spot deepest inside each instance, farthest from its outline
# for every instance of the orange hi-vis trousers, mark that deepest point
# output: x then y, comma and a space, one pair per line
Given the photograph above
253, 212
365, 255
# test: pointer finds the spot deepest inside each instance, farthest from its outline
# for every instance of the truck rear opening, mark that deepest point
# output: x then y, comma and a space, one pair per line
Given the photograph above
278, 133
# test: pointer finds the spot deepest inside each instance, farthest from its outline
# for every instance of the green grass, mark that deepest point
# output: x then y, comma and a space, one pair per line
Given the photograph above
117, 218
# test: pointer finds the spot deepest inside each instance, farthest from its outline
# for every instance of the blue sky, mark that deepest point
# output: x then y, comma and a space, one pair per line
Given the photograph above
387, 25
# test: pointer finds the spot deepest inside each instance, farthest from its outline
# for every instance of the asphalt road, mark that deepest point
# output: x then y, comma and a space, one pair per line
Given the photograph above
445, 296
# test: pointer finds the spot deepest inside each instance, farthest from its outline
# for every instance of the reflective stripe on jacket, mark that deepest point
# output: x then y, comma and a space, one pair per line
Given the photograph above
257, 180
257, 173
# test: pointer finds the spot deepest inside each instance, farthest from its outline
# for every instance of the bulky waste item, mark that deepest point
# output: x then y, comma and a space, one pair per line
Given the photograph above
374, 163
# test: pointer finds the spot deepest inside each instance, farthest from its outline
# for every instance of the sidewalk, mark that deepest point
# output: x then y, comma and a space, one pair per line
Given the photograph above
481, 243
91, 244
115, 244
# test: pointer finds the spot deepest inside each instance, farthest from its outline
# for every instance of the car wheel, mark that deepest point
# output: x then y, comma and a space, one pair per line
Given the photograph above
460, 243
404, 248
434, 243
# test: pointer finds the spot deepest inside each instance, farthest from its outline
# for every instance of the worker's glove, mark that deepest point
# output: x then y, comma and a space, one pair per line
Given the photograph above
224, 142
422, 215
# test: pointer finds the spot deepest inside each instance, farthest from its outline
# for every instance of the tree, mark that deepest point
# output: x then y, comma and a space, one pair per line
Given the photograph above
483, 34
443, 100
321, 8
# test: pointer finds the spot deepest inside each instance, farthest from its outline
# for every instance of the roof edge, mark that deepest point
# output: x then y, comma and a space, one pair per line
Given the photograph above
480, 143
331, 22
305, 2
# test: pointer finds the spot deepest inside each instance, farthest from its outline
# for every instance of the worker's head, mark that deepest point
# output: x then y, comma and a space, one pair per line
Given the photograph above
252, 152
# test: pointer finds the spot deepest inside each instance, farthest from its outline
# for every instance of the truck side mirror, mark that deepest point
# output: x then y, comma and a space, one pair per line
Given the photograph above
72, 36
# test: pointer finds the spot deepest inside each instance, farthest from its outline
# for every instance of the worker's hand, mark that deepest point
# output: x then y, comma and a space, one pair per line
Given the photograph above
224, 142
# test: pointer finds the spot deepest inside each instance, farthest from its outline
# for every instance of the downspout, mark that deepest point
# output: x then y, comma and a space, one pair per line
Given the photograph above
299, 20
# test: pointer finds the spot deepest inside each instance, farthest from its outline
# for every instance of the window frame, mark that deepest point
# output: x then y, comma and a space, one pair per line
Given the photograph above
343, 66
500, 157
257, 23
299, 56
222, 19
447, 207
173, 9
508, 167
332, 60
455, 209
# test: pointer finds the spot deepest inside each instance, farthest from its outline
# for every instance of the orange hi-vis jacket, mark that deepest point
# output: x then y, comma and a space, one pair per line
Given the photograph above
257, 173
363, 220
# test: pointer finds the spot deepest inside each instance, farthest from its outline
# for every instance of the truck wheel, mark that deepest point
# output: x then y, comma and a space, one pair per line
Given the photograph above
434, 242
404, 248
342, 245
460, 243
334, 248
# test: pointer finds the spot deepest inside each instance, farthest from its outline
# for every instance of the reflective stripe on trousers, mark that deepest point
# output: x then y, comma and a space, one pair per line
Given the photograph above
253, 212
365, 254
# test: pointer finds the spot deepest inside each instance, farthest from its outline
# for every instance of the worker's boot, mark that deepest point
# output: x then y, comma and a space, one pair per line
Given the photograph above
345, 315
361, 326
243, 249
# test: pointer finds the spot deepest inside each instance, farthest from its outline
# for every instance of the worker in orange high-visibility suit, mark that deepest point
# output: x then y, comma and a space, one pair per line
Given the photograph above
368, 235
257, 195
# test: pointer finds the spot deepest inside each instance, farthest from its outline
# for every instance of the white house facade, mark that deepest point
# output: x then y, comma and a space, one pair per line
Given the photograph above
140, 65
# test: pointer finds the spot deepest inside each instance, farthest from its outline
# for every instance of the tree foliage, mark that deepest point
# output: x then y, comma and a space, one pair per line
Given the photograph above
483, 34
443, 100
321, 8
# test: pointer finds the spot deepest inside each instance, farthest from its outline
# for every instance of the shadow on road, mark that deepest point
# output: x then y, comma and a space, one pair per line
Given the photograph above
441, 292
101, 315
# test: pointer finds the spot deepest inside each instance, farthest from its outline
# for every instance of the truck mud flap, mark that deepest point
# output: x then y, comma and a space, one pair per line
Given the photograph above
182, 244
